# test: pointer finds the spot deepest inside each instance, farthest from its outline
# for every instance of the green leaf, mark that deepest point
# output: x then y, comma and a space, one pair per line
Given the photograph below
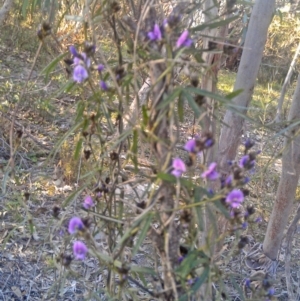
24, 8
134, 150
145, 115
53, 64
221, 208
142, 233
166, 101
78, 149
180, 107
214, 24
192, 103
234, 94
200, 280
144, 270
166, 177
199, 193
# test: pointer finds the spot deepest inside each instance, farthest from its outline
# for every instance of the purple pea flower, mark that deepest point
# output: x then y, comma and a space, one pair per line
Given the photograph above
211, 173
79, 250
88, 202
82, 59
184, 40
246, 162
178, 167
73, 51
100, 67
75, 224
235, 198
190, 146
155, 35
80, 74
103, 85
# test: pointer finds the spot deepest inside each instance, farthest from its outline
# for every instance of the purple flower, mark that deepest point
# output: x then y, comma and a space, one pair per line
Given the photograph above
82, 59
178, 167
271, 291
103, 85
211, 173
88, 202
247, 282
258, 220
190, 146
73, 51
249, 143
246, 162
208, 143
184, 40
155, 35
235, 198
100, 67
244, 225
75, 224
80, 74
79, 250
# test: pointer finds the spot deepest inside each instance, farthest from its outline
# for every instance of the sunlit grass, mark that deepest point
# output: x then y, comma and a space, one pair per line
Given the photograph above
265, 96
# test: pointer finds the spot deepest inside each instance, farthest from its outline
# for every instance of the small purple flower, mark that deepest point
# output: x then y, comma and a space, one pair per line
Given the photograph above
190, 146
208, 143
155, 35
88, 202
271, 291
247, 282
235, 198
246, 162
228, 181
100, 67
249, 143
178, 167
73, 51
258, 220
80, 74
103, 85
75, 224
244, 225
211, 173
184, 40
79, 250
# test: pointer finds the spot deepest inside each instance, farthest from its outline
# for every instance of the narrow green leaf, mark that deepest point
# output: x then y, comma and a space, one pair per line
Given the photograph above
134, 149
166, 177
199, 193
214, 24
144, 270
78, 149
52, 65
170, 98
142, 234
192, 103
180, 107
200, 280
24, 8
234, 94
221, 208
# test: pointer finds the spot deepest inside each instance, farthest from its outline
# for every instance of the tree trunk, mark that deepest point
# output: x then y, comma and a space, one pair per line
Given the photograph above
251, 58
285, 85
288, 183
4, 11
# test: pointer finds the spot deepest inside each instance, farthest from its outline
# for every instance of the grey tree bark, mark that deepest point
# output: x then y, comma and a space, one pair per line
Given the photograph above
5, 9
288, 182
251, 58
278, 116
